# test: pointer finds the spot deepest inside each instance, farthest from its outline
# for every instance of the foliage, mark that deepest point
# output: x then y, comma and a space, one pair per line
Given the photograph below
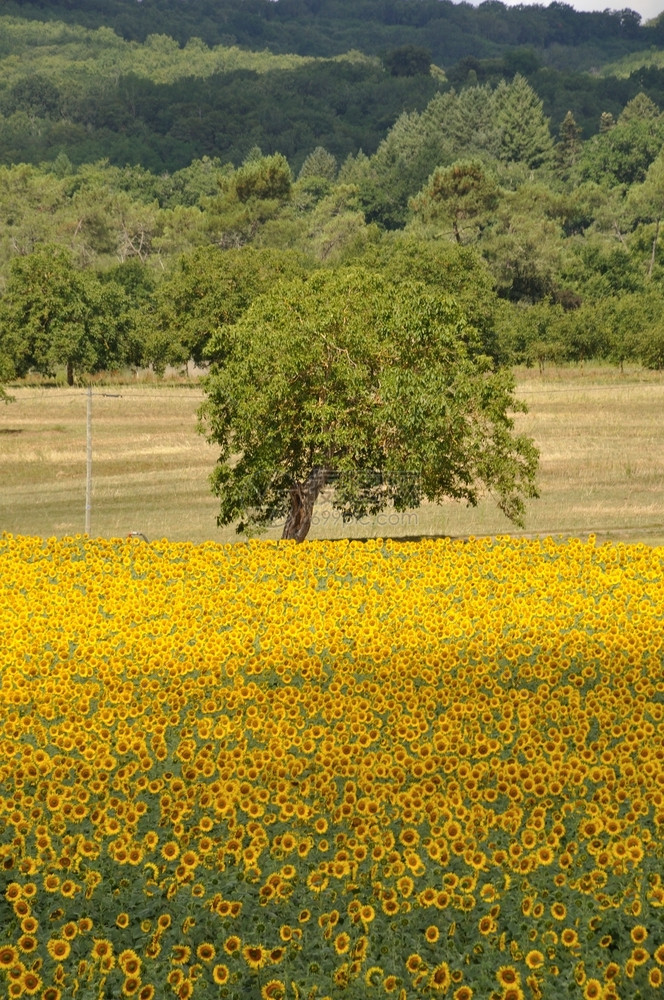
207, 290
524, 135
151, 149
460, 194
263, 771
622, 154
450, 270
408, 60
329, 27
54, 314
378, 388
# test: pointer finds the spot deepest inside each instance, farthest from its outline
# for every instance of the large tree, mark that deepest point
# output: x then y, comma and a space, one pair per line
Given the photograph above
345, 379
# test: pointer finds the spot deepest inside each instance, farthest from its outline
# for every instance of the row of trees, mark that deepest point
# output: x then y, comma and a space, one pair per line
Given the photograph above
58, 318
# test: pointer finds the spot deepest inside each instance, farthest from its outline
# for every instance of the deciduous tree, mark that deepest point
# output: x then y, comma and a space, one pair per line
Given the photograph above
345, 379
207, 289
54, 314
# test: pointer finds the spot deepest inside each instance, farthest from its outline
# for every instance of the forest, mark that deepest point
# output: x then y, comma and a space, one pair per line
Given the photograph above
162, 163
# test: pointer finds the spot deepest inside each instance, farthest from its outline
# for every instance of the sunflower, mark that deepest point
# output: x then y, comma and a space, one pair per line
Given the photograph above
432, 933
440, 978
206, 951
27, 943
8, 956
507, 975
58, 949
31, 982
255, 956
373, 975
638, 933
232, 944
341, 943
101, 948
534, 959
129, 962
655, 978
275, 989
463, 993
592, 989
220, 974
317, 881
405, 885
13, 891
170, 850
413, 963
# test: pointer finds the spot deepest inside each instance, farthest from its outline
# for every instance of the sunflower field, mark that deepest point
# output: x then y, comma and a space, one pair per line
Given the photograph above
331, 770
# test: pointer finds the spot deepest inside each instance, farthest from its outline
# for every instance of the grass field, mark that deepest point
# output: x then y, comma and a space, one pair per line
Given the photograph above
600, 435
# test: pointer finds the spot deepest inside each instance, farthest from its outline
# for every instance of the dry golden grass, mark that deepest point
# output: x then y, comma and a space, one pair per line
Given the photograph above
600, 435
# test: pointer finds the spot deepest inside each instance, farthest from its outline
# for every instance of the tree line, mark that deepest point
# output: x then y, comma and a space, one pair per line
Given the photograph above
325, 28
561, 234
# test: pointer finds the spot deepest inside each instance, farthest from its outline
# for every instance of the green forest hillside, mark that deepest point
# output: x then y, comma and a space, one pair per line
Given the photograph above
452, 31
153, 184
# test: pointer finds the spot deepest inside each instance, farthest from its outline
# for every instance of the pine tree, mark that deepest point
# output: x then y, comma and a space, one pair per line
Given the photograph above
569, 144
524, 131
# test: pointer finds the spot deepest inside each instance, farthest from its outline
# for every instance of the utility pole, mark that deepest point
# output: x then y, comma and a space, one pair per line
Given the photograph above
88, 478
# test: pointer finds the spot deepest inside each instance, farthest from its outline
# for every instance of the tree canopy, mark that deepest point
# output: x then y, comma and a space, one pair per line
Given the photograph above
343, 379
53, 313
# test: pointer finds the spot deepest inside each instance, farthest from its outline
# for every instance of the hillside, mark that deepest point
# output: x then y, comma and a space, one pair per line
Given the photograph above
559, 35
162, 100
139, 176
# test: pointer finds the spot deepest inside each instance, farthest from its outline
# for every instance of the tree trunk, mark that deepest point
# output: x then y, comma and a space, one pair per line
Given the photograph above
70, 373
302, 499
